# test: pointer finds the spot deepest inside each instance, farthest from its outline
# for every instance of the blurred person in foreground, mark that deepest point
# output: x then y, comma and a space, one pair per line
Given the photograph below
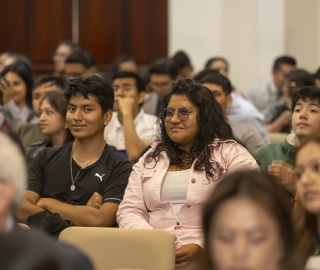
17, 243
247, 225
307, 212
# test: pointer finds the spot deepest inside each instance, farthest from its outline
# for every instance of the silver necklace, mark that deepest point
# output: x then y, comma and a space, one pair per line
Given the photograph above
73, 180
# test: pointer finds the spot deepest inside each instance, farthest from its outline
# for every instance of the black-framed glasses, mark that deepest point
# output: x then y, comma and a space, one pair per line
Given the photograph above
183, 114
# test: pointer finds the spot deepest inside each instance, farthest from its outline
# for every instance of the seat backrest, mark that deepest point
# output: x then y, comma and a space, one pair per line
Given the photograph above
113, 248
277, 137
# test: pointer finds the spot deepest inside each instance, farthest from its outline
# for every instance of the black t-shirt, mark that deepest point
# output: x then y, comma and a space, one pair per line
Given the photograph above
49, 176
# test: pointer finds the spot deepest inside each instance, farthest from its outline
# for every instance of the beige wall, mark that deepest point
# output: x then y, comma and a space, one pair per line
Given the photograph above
249, 33
303, 32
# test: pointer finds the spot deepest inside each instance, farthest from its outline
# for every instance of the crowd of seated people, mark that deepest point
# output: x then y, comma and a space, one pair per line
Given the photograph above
182, 152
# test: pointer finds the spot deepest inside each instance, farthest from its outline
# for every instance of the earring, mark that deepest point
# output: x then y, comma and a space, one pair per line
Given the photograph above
66, 126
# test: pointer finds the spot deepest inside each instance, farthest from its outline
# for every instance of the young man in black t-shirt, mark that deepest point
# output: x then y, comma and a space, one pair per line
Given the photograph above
83, 181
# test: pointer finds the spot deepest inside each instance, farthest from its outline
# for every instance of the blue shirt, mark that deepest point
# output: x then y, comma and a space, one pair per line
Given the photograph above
244, 111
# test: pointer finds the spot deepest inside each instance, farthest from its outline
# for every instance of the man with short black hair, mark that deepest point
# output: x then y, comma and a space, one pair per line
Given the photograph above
264, 95
221, 88
184, 64
241, 110
278, 159
80, 64
64, 49
83, 181
162, 73
130, 130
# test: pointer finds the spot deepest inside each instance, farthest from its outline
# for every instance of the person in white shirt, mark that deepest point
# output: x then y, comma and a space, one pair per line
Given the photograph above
131, 129
264, 95
221, 88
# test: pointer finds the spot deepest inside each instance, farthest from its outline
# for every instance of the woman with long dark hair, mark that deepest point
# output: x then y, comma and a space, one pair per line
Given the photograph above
171, 182
307, 214
15, 91
53, 123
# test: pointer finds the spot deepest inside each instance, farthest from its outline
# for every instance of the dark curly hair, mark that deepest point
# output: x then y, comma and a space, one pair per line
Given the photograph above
211, 125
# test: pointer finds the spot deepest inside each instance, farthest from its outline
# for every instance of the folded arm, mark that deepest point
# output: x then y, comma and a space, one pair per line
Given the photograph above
82, 215
29, 205
93, 214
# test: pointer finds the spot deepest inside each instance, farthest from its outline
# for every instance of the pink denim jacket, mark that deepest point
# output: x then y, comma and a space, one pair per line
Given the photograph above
142, 208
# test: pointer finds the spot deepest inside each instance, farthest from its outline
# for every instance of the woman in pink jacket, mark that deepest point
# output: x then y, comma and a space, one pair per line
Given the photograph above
171, 182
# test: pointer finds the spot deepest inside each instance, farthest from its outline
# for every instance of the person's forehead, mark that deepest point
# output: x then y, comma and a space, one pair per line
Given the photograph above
308, 154
128, 80
219, 64
307, 102
214, 87
160, 77
47, 86
45, 104
81, 99
63, 48
286, 68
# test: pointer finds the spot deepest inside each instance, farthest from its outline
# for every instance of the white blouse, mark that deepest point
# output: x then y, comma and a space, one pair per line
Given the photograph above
174, 188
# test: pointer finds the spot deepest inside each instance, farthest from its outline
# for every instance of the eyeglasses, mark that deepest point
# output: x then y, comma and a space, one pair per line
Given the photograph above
183, 114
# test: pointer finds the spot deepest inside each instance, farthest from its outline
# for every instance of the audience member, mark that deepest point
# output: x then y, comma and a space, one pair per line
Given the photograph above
278, 116
171, 182
247, 225
277, 159
219, 64
241, 110
64, 49
31, 133
19, 248
82, 181
162, 73
130, 129
264, 95
53, 112
15, 90
307, 161
80, 63
7, 58
124, 63
184, 64
221, 88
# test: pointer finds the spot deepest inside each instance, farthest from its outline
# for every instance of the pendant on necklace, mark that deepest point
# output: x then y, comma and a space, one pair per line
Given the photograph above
72, 187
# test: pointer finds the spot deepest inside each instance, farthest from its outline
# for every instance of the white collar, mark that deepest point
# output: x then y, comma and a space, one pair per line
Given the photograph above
293, 139
273, 87
135, 121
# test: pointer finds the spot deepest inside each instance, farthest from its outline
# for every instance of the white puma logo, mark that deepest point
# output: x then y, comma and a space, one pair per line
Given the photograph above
99, 176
